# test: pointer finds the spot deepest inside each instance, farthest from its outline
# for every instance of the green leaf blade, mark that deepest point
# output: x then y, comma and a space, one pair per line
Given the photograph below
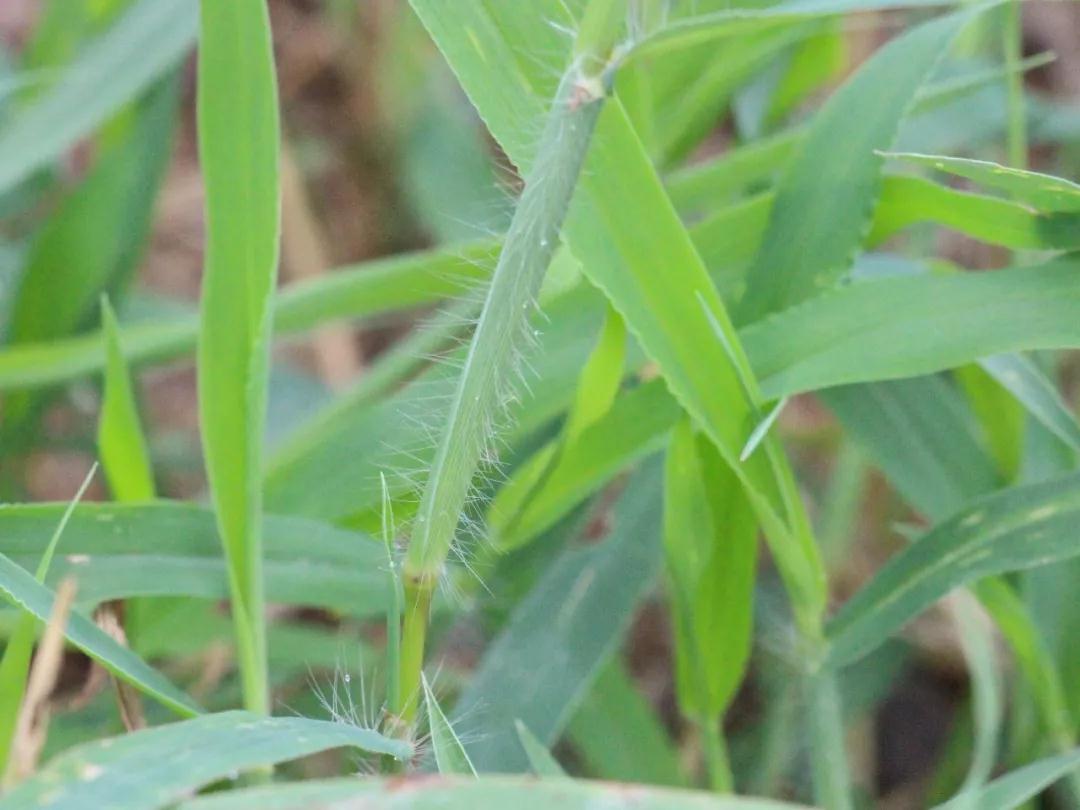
33, 597
155, 767
450, 755
121, 443
239, 150
1042, 191
1021, 527
826, 198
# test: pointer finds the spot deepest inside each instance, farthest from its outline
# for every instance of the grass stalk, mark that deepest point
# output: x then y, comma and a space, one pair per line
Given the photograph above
828, 754
717, 763
1013, 34
493, 363
411, 659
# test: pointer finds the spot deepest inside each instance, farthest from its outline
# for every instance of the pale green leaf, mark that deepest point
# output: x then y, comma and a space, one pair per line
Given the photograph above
432, 793
987, 689
549, 651
920, 435
154, 768
615, 710
761, 429
15, 662
1042, 191
707, 27
450, 755
1018, 528
1023, 379
907, 326
540, 759
172, 549
1015, 788
30, 595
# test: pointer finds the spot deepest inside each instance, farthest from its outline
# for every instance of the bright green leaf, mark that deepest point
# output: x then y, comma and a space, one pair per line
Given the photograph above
239, 146
121, 443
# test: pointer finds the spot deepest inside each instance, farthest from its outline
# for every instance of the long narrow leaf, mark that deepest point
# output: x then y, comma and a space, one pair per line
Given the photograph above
156, 767
15, 662
1019, 528
909, 326
21, 588
547, 655
1039, 190
827, 195
172, 549
459, 794
1016, 788
239, 145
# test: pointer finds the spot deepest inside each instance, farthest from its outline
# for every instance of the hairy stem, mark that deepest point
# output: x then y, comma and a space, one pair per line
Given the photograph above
492, 365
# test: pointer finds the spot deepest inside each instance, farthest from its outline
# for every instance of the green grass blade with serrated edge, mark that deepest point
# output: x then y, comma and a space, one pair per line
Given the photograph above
826, 197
